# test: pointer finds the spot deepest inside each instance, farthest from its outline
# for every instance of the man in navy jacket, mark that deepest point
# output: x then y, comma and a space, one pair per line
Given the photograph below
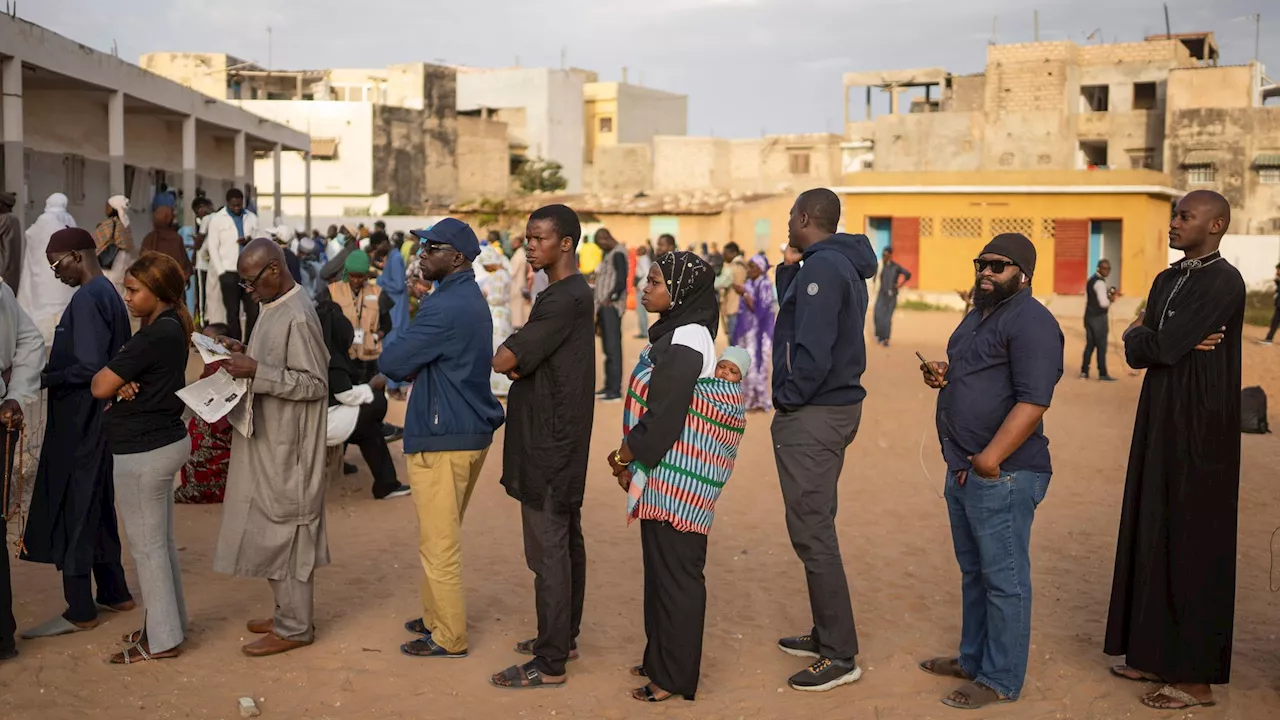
819, 354
449, 425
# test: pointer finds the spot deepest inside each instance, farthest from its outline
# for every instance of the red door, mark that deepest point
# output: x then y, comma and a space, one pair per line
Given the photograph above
1070, 256
904, 235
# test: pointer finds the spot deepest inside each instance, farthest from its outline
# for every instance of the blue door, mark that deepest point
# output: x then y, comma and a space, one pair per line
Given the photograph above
1095, 244
879, 230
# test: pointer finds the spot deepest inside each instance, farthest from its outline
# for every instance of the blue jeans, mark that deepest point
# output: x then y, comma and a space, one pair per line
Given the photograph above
991, 531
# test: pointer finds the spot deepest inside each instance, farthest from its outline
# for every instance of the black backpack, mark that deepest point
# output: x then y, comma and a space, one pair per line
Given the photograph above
1253, 411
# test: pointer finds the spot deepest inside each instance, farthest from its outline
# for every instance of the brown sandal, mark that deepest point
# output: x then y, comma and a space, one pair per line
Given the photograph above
140, 653
639, 671
522, 677
974, 695
525, 647
945, 667
1139, 676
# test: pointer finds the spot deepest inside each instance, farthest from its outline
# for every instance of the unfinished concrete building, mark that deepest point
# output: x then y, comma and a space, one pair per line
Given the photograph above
383, 140
1055, 106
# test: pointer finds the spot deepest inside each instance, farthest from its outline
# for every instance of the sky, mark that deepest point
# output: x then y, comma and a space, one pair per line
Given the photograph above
749, 67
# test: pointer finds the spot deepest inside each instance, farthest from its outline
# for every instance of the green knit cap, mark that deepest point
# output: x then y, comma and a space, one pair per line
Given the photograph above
357, 262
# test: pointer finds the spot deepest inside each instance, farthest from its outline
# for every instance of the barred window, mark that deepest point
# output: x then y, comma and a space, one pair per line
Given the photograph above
926, 227
1022, 226
962, 227
1046, 229
1201, 174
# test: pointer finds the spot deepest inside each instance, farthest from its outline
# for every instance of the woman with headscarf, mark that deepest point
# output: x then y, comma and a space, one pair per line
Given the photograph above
754, 332
495, 283
681, 431
40, 293
113, 232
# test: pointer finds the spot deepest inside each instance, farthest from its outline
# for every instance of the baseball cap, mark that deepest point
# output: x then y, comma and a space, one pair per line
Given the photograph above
454, 233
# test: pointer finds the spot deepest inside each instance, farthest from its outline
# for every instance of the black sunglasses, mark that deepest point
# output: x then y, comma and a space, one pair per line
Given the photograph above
248, 286
997, 266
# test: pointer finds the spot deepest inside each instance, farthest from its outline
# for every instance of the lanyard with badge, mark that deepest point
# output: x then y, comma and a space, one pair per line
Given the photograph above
358, 301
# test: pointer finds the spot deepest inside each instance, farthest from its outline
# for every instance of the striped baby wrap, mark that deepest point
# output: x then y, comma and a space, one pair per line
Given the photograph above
683, 489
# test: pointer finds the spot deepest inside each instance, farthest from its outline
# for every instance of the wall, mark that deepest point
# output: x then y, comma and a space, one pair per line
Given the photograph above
690, 163
400, 157
1211, 87
1255, 256
203, 72
645, 112
946, 262
484, 160
622, 169
553, 105
351, 123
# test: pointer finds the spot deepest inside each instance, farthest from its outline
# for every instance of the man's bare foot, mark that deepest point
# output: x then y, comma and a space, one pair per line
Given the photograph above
1179, 697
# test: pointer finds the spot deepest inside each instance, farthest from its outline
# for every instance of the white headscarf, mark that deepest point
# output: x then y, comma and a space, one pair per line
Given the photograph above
120, 204
40, 293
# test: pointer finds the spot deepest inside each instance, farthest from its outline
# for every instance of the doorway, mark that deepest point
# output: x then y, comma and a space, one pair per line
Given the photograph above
1105, 244
880, 232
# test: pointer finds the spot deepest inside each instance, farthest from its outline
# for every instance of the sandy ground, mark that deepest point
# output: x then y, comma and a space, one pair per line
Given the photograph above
896, 546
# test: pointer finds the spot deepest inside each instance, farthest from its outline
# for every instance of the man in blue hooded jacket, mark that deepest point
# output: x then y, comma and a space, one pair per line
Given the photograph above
449, 425
819, 354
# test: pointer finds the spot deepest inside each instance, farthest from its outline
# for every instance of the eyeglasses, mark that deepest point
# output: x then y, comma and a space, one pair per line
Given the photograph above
54, 265
248, 286
997, 266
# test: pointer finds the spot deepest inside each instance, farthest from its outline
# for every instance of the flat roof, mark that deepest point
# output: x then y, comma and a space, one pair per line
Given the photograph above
79, 67
900, 78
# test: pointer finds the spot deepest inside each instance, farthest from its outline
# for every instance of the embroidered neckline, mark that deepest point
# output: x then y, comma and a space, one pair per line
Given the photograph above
1197, 263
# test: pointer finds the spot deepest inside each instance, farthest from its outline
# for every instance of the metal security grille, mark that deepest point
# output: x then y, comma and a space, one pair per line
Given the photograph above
926, 227
962, 227
1047, 228
1022, 226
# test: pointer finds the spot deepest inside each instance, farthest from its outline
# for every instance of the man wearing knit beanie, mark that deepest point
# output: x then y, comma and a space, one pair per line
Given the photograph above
1003, 362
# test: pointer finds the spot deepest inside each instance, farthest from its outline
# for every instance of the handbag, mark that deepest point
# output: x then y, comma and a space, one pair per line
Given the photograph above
107, 256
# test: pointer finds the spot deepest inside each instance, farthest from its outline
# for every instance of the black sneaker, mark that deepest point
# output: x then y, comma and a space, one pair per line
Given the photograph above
1107, 378
398, 492
801, 646
1084, 376
349, 469
601, 393
825, 674
391, 433
9, 653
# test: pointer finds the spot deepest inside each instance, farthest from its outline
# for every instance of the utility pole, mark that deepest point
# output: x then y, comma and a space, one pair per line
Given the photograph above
1037, 25
1257, 35
268, 47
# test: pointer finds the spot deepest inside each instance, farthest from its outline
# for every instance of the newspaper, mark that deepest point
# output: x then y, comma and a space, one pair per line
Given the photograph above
219, 396
210, 350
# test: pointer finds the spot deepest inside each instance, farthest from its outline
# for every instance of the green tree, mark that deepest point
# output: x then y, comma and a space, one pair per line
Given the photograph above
540, 175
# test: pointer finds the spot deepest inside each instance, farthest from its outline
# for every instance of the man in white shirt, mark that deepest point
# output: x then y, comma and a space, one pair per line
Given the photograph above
229, 229
1097, 320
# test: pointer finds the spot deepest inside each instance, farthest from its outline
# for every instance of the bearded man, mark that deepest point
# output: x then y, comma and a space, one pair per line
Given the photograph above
1003, 363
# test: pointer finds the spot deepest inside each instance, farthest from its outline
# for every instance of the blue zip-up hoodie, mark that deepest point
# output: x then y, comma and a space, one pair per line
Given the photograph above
819, 352
449, 348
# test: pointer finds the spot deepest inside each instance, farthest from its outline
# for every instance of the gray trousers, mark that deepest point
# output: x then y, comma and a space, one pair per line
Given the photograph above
809, 446
295, 601
144, 499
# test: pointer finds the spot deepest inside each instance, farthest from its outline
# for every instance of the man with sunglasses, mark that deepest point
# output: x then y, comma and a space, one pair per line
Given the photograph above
273, 523
449, 424
1004, 361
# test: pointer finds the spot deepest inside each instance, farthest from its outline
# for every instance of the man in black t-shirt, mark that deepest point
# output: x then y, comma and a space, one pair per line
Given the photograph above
544, 459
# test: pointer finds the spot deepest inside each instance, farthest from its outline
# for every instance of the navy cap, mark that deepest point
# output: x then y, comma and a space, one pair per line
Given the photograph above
455, 234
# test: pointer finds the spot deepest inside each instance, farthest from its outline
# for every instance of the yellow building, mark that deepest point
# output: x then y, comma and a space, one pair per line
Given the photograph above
938, 222
618, 113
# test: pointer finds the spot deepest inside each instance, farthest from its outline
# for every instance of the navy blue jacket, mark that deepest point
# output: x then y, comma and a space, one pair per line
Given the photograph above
449, 348
819, 352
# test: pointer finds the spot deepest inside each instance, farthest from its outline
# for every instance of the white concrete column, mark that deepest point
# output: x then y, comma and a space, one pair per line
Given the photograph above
306, 190
14, 175
275, 192
115, 143
238, 173
188, 168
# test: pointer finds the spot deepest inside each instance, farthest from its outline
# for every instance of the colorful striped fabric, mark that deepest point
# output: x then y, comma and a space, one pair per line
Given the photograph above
683, 489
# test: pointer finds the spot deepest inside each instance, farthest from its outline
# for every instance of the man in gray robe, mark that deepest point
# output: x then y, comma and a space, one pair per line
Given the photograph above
11, 241
273, 523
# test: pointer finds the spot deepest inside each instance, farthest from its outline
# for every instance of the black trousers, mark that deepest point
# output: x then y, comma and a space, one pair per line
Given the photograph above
232, 300
1275, 324
611, 343
367, 436
78, 591
675, 605
809, 448
7, 624
1095, 337
555, 552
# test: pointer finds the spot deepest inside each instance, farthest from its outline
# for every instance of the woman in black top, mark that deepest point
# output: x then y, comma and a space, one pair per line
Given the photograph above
148, 444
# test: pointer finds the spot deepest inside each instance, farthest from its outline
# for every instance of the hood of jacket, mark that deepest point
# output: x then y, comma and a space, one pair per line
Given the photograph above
857, 248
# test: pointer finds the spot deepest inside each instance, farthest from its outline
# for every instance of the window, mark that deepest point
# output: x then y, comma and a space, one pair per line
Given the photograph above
1201, 173
799, 161
1144, 96
1093, 155
1094, 98
73, 177
606, 124
324, 148
1269, 175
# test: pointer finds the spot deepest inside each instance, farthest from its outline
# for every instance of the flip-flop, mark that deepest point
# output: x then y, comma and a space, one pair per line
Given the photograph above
1117, 670
646, 694
53, 628
523, 677
639, 671
1168, 691
934, 666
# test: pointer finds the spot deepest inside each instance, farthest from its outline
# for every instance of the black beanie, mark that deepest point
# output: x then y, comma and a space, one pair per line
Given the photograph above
1017, 248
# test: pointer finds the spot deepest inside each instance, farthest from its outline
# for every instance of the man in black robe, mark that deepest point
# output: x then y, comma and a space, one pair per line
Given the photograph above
1173, 595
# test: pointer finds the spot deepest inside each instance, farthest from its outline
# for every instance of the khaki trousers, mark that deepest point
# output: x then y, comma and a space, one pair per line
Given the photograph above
442, 483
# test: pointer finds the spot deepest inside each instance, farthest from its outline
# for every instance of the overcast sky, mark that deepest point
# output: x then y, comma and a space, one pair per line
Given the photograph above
747, 65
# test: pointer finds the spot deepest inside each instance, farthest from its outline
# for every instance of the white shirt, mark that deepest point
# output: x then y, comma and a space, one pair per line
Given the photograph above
698, 337
222, 239
1100, 291
343, 417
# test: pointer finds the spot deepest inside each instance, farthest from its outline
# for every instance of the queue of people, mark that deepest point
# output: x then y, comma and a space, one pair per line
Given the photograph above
316, 375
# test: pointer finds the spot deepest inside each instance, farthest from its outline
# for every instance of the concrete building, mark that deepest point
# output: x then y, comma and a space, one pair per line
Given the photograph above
1061, 106
543, 110
89, 125
621, 122
384, 140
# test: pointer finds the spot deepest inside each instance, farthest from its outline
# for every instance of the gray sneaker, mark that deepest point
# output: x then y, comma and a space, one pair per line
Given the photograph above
800, 646
825, 674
